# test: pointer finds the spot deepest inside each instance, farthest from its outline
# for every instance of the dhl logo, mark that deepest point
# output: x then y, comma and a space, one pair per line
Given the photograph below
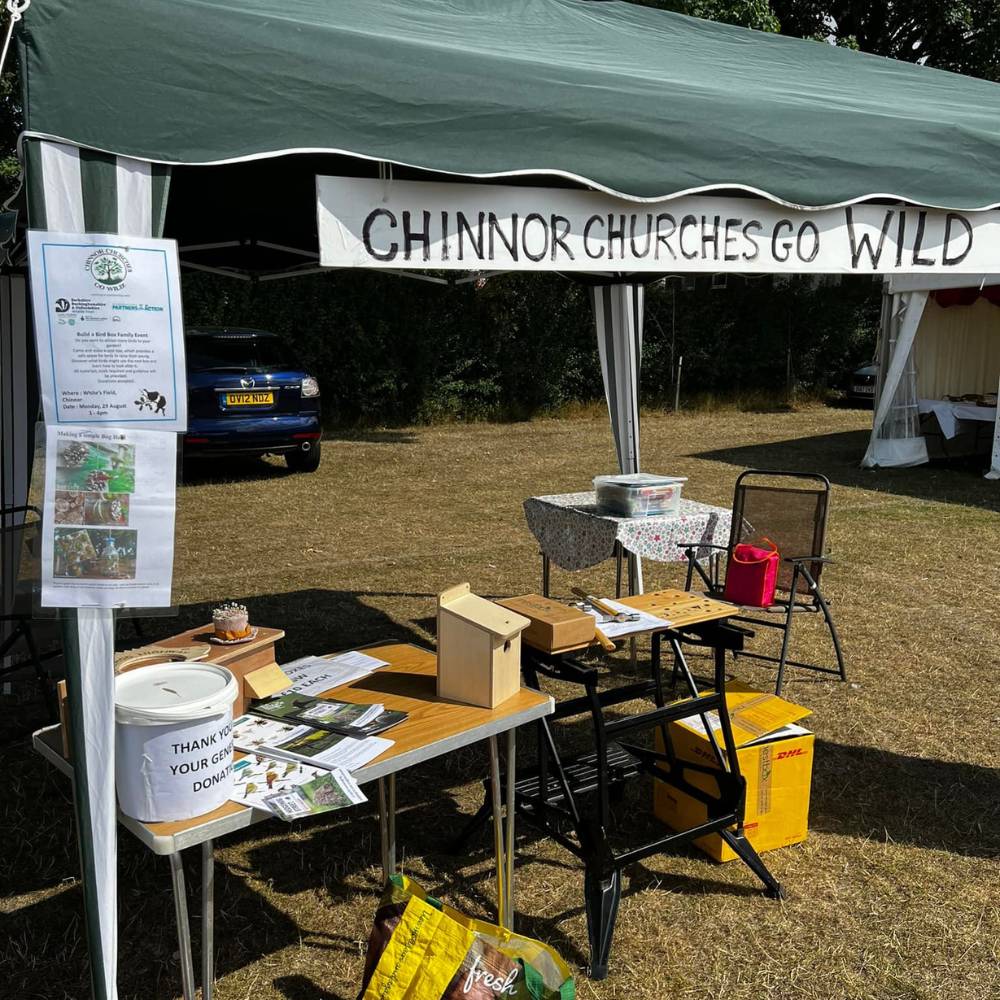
704, 752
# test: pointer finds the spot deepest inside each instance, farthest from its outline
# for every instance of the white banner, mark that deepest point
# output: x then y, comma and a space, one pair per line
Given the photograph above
108, 518
463, 226
109, 330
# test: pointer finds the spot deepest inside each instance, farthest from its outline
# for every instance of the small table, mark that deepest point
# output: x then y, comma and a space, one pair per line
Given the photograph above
434, 727
950, 414
573, 533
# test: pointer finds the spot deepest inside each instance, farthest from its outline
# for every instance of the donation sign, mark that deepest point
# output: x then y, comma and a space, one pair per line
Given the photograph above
416, 224
109, 330
108, 535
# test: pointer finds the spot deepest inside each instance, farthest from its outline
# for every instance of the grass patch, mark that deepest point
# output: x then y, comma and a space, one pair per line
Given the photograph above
894, 893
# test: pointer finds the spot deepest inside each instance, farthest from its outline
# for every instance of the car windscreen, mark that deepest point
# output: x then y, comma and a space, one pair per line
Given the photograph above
206, 353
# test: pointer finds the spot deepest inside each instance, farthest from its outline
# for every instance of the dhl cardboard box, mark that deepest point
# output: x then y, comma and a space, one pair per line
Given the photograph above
775, 757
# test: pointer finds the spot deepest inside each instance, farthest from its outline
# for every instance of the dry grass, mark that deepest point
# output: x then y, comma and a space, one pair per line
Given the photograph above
893, 896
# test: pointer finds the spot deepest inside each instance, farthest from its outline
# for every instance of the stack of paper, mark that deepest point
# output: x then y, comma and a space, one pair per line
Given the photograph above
615, 630
290, 788
346, 718
255, 735
316, 674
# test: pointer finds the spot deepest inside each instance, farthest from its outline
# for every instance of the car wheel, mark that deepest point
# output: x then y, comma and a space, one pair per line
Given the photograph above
304, 461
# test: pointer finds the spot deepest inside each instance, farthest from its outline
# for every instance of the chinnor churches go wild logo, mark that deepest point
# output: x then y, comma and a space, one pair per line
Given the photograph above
109, 268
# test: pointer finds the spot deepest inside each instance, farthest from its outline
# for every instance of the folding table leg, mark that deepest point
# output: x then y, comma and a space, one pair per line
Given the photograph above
387, 824
498, 845
183, 927
511, 777
207, 920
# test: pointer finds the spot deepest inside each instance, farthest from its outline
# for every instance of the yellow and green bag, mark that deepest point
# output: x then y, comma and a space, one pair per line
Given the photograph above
421, 949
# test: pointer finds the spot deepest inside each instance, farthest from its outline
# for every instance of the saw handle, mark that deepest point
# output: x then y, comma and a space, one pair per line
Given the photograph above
605, 642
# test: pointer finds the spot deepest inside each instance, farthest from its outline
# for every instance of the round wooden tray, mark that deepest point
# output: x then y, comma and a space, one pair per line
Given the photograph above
148, 656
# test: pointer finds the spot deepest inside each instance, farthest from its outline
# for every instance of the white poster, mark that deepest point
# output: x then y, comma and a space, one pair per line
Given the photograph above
108, 519
109, 330
464, 226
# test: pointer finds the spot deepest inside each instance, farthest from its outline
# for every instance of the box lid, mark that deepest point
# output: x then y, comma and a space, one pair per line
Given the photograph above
753, 714
484, 614
544, 609
637, 480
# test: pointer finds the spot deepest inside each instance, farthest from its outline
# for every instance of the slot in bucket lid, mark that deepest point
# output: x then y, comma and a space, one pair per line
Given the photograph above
166, 693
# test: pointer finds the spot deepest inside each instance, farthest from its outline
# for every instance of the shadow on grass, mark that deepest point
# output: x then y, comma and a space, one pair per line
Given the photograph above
303, 988
838, 457
47, 942
869, 793
201, 471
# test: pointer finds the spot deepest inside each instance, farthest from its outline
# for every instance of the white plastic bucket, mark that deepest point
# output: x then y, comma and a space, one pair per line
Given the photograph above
173, 740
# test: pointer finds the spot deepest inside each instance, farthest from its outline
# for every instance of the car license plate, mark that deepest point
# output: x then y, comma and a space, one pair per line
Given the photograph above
864, 390
249, 398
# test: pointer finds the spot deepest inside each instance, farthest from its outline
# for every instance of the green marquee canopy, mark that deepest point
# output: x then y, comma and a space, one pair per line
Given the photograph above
208, 121
632, 100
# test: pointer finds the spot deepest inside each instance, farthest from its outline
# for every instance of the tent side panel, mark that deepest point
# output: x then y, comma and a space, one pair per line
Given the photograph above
958, 350
72, 190
896, 439
18, 391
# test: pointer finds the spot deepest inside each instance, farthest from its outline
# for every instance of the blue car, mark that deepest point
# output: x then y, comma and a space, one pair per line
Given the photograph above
248, 395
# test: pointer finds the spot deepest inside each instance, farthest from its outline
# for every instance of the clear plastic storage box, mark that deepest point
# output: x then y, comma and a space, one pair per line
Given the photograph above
639, 494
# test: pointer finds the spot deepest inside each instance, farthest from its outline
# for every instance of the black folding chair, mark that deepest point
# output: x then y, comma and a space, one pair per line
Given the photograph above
20, 543
790, 509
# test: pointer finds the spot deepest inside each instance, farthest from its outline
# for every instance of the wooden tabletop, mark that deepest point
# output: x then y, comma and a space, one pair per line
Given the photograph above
434, 727
680, 607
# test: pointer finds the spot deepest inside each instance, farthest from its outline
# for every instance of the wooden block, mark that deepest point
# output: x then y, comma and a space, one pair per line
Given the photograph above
553, 626
242, 659
63, 717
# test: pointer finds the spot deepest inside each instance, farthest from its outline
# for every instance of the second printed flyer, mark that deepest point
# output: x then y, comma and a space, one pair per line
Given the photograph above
109, 517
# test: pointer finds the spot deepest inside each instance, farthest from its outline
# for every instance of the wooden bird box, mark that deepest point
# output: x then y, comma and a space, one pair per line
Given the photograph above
479, 649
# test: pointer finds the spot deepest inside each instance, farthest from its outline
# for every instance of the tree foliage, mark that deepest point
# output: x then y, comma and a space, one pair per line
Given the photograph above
960, 36
396, 350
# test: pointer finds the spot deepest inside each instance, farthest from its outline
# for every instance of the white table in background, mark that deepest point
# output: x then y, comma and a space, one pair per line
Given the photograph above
952, 413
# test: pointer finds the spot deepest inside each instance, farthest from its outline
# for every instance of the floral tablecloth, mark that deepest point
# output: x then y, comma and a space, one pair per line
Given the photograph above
574, 535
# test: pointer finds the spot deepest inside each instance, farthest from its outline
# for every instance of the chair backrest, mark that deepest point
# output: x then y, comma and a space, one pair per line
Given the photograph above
19, 553
789, 508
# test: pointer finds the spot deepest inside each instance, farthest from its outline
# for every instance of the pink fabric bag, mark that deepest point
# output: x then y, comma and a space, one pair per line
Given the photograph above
752, 575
